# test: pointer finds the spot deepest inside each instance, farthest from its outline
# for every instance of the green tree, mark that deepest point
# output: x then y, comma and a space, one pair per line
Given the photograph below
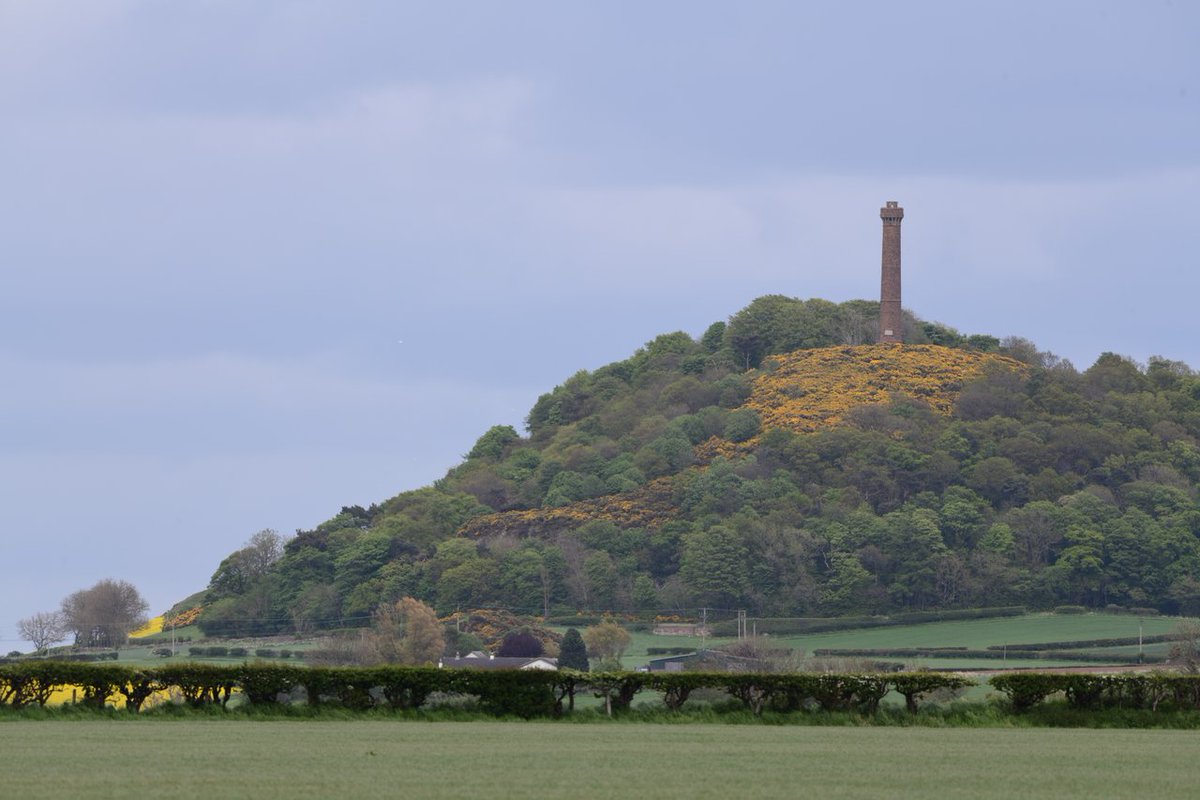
239, 570
607, 642
493, 444
317, 606
714, 566
572, 652
742, 424
645, 593
847, 584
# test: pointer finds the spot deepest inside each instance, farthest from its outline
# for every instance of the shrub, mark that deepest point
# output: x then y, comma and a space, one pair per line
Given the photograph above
262, 684
200, 684
265, 652
216, 651
521, 644
238, 652
1070, 610
1027, 689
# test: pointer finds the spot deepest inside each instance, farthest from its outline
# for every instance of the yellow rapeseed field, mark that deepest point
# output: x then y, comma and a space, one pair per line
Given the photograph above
152, 627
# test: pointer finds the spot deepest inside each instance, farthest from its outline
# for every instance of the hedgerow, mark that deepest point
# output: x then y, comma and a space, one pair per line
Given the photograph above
792, 626
537, 693
1150, 691
996, 654
524, 693
1121, 641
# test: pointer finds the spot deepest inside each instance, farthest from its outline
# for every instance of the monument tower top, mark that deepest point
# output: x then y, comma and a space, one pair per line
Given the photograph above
891, 321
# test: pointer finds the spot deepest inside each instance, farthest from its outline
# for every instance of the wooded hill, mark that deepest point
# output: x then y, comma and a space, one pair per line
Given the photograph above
781, 465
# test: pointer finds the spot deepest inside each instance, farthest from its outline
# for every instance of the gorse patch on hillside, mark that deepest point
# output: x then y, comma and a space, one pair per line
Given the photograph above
810, 389
778, 464
799, 392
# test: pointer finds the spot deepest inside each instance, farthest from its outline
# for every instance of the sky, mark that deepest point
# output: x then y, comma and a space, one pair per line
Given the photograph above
262, 260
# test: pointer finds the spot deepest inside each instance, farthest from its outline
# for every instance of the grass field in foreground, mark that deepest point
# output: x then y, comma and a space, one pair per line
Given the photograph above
291, 759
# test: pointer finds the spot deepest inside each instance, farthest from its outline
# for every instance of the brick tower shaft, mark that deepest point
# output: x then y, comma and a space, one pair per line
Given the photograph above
891, 323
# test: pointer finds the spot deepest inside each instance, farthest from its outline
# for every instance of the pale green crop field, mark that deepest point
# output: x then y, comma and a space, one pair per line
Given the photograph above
973, 634
364, 759
981, 633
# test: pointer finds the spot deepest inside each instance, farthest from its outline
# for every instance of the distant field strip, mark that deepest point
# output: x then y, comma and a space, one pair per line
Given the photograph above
984, 633
291, 759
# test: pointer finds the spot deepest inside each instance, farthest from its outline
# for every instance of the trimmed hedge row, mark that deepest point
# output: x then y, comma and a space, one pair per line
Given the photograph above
525, 693
791, 626
1150, 691
1122, 641
76, 657
994, 654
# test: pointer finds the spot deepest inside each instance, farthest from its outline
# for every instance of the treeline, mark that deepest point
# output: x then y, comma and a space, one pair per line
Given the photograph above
1044, 486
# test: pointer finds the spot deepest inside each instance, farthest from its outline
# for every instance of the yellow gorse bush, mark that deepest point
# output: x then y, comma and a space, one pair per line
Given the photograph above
646, 506
183, 618
812, 389
803, 391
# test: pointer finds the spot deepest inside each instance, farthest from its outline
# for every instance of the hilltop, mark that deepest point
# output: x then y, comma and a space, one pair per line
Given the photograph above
778, 463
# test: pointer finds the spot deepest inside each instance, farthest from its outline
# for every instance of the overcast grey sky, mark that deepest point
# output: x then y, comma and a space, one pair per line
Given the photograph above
261, 260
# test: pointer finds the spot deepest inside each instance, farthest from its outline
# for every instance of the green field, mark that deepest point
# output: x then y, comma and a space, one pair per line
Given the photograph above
294, 759
982, 633
973, 634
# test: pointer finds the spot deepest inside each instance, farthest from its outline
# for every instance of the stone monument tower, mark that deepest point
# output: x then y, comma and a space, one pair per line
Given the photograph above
891, 324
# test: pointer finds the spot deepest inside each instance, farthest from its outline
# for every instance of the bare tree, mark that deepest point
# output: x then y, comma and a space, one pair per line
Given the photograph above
243, 568
1185, 651
405, 632
262, 551
42, 629
103, 615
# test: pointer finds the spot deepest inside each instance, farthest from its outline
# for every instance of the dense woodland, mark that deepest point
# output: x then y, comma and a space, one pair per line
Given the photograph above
658, 484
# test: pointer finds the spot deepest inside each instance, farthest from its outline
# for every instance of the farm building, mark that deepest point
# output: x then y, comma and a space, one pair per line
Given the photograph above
478, 659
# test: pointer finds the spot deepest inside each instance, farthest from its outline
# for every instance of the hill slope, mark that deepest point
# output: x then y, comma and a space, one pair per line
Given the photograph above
800, 392
767, 465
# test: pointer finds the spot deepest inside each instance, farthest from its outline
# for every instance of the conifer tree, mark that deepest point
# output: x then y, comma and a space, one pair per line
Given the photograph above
572, 653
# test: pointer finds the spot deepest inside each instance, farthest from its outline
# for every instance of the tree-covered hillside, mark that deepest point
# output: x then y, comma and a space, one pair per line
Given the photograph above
779, 464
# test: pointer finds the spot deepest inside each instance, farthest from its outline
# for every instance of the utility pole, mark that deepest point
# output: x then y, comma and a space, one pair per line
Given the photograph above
703, 625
